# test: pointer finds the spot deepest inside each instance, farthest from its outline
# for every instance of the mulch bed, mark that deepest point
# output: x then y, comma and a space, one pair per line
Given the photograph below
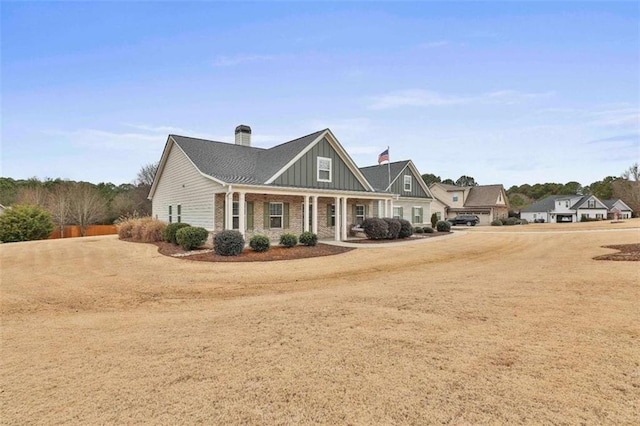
413, 237
248, 255
629, 252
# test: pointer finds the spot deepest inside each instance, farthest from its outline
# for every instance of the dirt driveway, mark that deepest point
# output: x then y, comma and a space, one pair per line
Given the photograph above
507, 327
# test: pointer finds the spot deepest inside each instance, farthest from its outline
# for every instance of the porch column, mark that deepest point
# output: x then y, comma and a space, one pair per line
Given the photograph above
241, 214
228, 211
305, 225
314, 215
344, 216
336, 223
390, 208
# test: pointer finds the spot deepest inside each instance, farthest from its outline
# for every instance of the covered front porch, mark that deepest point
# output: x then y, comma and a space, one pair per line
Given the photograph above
271, 212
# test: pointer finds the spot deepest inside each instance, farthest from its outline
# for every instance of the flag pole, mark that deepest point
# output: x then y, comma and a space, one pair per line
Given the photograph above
389, 168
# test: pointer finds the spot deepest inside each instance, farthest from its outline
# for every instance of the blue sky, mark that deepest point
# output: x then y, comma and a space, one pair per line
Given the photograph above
506, 92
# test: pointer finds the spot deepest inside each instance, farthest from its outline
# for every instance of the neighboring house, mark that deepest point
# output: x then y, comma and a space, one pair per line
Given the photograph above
488, 202
307, 184
618, 208
402, 178
565, 208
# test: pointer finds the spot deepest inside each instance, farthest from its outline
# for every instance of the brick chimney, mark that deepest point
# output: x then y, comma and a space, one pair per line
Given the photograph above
243, 135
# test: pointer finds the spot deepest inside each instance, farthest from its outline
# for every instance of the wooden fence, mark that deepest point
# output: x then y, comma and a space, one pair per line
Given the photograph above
92, 231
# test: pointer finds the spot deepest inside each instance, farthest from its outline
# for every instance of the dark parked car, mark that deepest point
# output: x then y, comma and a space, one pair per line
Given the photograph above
465, 219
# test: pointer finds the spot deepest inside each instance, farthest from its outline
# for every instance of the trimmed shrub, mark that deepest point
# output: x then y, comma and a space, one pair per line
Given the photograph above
191, 237
375, 228
434, 220
418, 230
443, 226
496, 222
308, 239
169, 233
25, 223
524, 222
510, 221
394, 228
406, 229
428, 230
288, 240
228, 243
260, 243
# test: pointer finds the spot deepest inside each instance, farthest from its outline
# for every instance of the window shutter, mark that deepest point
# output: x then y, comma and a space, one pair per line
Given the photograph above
285, 215
250, 215
421, 214
401, 214
329, 215
266, 216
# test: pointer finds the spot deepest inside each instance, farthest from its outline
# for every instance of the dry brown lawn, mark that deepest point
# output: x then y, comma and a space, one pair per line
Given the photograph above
484, 328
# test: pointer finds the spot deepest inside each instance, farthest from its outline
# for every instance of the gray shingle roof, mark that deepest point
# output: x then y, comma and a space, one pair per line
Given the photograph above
233, 163
610, 203
546, 204
378, 176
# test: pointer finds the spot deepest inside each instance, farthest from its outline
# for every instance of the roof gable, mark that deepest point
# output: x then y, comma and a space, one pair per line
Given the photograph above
582, 203
388, 177
485, 196
617, 204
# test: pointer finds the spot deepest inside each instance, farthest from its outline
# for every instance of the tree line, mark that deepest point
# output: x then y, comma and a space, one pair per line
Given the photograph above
625, 187
82, 203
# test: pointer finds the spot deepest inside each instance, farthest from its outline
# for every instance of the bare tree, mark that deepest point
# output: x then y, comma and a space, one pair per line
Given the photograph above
86, 207
59, 205
632, 173
146, 175
34, 195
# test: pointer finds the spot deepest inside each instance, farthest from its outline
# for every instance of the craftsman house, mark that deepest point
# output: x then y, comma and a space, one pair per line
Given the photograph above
307, 184
572, 208
402, 178
488, 202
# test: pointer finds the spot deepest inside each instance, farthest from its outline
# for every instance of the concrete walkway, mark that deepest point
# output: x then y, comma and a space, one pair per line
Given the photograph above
407, 242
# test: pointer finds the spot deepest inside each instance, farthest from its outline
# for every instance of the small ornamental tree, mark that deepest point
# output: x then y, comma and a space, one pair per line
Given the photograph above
434, 220
375, 228
25, 223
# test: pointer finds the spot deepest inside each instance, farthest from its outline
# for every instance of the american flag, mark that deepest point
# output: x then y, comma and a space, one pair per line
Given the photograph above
384, 156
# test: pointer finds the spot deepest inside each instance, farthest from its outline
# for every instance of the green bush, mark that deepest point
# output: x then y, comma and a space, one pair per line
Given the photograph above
25, 223
510, 221
418, 230
406, 229
443, 226
169, 233
524, 222
428, 230
434, 220
228, 243
191, 237
394, 228
375, 228
308, 239
496, 222
260, 243
288, 240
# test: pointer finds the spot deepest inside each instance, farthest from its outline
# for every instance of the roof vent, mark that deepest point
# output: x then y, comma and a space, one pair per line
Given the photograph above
243, 135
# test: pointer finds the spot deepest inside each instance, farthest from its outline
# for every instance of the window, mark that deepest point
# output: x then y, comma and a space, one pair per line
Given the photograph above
455, 197
439, 215
407, 183
397, 212
566, 204
591, 204
179, 213
275, 215
170, 214
417, 215
332, 215
599, 216
235, 215
324, 169
359, 214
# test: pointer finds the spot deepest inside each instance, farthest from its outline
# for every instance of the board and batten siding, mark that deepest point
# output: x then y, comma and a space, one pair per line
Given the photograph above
397, 187
304, 172
181, 183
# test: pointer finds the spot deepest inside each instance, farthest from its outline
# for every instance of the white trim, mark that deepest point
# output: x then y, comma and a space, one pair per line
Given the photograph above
293, 191
318, 170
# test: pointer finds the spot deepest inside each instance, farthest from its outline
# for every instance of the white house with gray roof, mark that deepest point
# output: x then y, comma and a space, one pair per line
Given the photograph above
565, 208
307, 184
